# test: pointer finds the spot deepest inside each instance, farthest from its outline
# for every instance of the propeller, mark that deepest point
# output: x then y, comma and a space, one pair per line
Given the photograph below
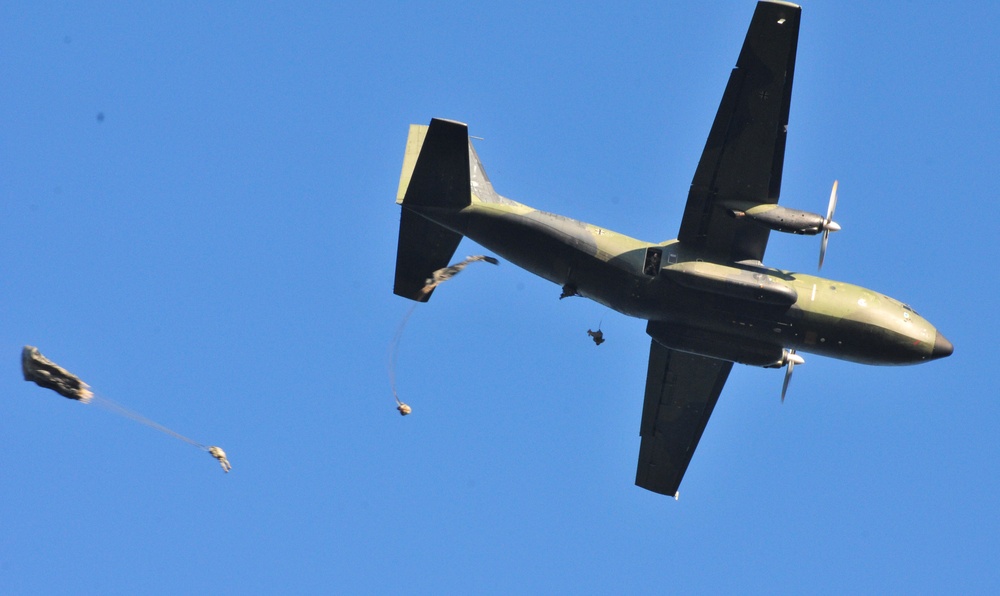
792, 359
828, 224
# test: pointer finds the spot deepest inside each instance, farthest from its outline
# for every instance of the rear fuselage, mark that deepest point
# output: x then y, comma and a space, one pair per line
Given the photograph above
743, 312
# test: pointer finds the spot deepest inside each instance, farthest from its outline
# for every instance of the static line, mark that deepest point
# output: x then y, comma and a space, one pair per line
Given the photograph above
394, 352
121, 410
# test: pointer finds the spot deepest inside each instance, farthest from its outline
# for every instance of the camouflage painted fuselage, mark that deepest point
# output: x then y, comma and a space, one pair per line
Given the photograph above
744, 312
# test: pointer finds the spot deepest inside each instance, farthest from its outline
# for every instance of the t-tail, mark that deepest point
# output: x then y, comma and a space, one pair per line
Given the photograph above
440, 171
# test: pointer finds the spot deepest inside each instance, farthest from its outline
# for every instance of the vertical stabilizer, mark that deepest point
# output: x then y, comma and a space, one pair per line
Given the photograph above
439, 175
436, 174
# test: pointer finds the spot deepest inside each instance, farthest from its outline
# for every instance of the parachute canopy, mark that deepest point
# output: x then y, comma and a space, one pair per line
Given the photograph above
48, 374
445, 273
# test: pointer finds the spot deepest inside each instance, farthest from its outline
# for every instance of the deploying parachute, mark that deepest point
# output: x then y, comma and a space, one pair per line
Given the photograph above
437, 277
445, 273
48, 374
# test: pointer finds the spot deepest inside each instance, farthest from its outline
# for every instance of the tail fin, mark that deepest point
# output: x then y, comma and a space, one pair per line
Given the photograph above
436, 166
435, 174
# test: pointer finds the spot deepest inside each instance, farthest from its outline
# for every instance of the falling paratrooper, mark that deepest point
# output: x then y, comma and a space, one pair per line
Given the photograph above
598, 336
220, 455
43, 372
437, 278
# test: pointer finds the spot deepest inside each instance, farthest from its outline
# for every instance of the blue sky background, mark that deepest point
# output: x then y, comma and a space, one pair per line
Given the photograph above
217, 254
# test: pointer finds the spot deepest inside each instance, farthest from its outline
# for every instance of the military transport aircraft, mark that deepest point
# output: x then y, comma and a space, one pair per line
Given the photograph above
708, 298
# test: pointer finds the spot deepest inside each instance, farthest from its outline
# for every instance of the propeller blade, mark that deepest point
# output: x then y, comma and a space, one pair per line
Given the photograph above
788, 377
792, 359
828, 224
833, 203
822, 248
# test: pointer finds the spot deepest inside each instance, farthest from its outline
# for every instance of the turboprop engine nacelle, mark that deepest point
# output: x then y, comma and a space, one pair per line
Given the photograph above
684, 338
782, 219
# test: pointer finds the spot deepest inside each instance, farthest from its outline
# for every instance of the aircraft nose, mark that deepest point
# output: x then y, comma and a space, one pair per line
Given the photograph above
942, 347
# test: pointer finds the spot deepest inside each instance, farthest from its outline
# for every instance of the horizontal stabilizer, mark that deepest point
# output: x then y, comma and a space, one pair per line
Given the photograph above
423, 248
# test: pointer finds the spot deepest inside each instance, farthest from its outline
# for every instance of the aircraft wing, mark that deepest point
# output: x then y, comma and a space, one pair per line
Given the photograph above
681, 392
745, 150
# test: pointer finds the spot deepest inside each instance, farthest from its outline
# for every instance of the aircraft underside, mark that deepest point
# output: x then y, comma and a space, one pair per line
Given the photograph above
707, 298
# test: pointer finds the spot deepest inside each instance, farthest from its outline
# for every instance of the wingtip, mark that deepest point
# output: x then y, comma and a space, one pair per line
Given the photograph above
782, 3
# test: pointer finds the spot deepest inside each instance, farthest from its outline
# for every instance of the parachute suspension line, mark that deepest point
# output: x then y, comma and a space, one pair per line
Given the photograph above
393, 353
121, 410
603, 314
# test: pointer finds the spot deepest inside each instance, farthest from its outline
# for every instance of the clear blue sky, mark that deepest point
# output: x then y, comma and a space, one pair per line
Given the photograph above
217, 253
